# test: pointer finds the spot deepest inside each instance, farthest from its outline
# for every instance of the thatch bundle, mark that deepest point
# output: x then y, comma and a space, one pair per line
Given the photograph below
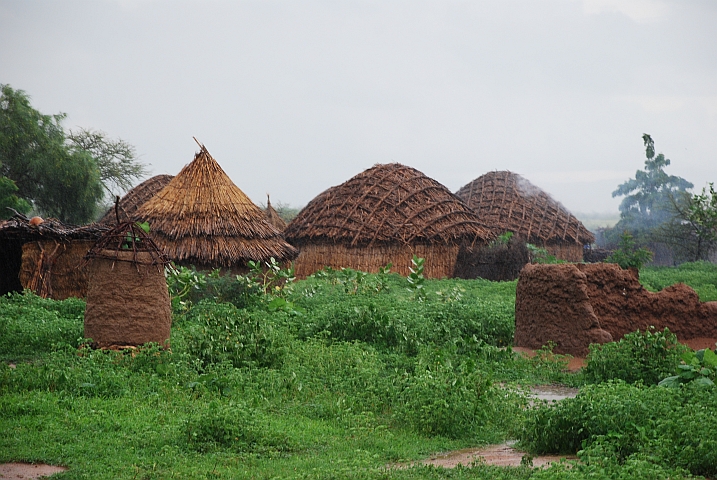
509, 203
46, 258
272, 216
201, 218
135, 198
127, 299
385, 214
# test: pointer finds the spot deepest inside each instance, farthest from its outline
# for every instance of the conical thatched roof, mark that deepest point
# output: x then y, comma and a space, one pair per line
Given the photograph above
508, 202
272, 216
135, 198
202, 218
388, 203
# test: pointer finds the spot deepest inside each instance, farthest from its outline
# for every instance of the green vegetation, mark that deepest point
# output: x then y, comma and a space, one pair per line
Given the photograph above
701, 276
54, 173
341, 375
628, 255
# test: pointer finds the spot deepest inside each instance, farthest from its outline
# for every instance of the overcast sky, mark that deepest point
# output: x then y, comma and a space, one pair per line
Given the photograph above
292, 97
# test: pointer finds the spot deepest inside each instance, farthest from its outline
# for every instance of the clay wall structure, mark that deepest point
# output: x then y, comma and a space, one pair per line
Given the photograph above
575, 305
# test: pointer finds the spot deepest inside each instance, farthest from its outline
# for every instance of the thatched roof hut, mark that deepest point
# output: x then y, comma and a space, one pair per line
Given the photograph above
201, 218
45, 258
385, 214
135, 198
508, 202
272, 216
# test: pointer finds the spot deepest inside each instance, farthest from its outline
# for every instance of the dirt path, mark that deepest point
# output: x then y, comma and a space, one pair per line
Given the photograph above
18, 471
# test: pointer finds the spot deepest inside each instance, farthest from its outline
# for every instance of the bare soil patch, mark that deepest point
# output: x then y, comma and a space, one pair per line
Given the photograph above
503, 455
17, 471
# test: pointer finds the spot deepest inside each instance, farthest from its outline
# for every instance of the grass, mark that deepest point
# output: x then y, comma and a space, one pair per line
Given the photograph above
346, 376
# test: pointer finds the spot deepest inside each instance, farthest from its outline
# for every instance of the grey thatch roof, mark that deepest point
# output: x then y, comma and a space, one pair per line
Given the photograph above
508, 202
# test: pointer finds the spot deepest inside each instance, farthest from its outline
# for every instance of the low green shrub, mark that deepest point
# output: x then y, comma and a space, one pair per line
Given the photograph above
625, 424
217, 332
233, 426
646, 357
453, 398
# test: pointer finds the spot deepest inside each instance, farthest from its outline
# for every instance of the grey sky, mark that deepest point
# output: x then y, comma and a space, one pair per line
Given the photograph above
292, 97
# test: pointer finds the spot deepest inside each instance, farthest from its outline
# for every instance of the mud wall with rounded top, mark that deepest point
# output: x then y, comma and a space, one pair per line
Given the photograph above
574, 305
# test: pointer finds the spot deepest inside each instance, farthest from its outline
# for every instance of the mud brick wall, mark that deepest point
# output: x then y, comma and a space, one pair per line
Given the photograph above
575, 305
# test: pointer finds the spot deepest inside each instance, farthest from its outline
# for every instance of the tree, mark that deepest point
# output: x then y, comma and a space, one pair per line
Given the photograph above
116, 159
648, 197
9, 199
58, 178
692, 231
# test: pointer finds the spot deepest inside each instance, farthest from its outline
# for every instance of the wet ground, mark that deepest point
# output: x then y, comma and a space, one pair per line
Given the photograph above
505, 454
16, 471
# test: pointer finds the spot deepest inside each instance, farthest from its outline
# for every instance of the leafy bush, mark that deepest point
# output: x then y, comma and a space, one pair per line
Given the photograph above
628, 255
647, 357
452, 398
218, 332
616, 425
697, 367
234, 426
613, 409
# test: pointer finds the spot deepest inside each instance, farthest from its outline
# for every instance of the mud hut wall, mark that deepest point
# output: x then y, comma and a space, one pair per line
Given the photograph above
574, 305
570, 252
55, 269
440, 259
127, 303
552, 304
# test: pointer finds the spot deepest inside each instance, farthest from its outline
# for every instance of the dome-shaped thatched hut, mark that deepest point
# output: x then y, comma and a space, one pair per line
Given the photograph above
507, 202
135, 198
201, 218
385, 214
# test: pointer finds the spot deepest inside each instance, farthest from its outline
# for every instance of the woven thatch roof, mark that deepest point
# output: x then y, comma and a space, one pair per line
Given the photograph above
135, 198
388, 203
272, 216
202, 218
19, 227
508, 202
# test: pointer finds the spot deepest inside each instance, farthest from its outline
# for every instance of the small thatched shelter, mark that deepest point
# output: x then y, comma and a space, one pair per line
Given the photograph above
387, 213
272, 216
201, 218
46, 257
135, 198
127, 298
507, 202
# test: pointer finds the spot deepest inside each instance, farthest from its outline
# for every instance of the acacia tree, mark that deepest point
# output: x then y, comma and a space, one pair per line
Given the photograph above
58, 175
116, 159
692, 231
648, 197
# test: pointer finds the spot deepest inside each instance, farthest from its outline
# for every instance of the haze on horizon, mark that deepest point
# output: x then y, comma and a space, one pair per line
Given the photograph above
292, 98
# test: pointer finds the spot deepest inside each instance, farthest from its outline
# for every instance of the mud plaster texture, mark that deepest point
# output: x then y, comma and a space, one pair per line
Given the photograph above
127, 303
575, 305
